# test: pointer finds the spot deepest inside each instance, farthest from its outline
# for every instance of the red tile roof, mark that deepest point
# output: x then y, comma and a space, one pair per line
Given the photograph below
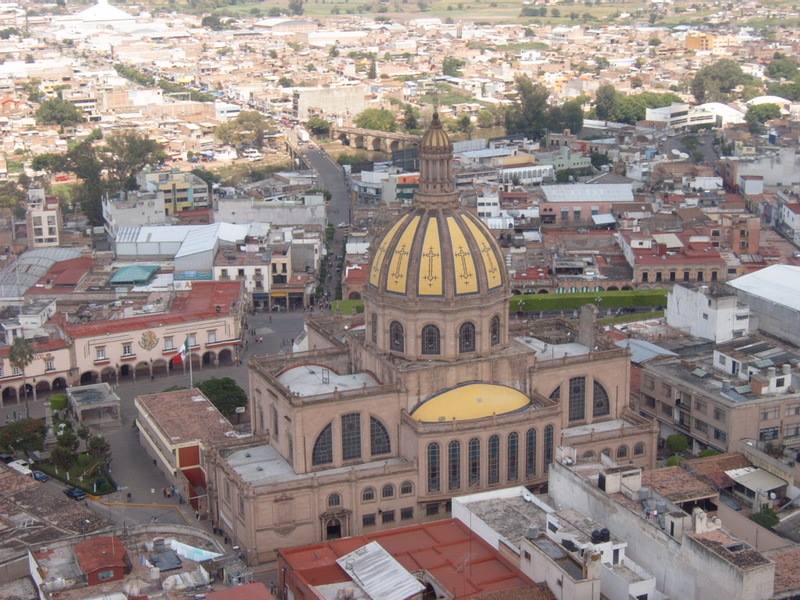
38, 347
201, 302
63, 274
101, 552
532, 274
459, 560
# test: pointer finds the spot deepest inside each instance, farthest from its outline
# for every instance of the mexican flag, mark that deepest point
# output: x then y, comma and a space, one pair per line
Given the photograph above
180, 357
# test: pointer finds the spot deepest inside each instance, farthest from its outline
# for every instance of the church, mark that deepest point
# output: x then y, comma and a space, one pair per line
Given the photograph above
436, 392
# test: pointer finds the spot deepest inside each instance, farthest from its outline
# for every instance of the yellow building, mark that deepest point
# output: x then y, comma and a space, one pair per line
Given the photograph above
182, 190
700, 41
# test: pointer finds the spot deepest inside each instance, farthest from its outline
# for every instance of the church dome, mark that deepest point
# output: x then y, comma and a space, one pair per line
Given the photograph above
437, 284
470, 401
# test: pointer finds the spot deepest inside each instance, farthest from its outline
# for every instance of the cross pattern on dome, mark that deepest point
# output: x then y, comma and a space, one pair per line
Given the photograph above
398, 272
463, 255
488, 252
430, 255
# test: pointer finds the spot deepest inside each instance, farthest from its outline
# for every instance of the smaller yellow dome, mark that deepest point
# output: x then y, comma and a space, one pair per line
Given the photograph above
470, 401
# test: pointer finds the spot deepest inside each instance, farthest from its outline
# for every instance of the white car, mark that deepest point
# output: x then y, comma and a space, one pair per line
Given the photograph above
21, 466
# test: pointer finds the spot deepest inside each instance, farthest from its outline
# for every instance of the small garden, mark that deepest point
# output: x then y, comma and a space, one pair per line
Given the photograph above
80, 459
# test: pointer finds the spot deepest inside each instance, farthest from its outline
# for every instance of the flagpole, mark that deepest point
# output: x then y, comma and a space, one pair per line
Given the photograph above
191, 379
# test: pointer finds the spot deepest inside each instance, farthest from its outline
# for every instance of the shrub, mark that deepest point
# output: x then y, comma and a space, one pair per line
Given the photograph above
677, 443
674, 460
766, 517
58, 401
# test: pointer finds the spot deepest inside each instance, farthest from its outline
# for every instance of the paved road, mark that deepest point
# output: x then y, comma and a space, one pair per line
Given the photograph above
332, 178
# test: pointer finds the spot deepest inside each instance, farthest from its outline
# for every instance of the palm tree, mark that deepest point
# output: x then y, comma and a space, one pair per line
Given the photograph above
20, 357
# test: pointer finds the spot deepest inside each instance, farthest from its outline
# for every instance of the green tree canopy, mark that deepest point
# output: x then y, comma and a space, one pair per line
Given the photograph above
715, 81
378, 119
677, 443
410, 117
605, 102
100, 450
452, 66
758, 114
296, 7
318, 125
224, 393
789, 90
528, 114
58, 112
125, 154
247, 129
782, 67
24, 435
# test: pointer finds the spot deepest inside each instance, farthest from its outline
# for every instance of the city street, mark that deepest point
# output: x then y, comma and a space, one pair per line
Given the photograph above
332, 179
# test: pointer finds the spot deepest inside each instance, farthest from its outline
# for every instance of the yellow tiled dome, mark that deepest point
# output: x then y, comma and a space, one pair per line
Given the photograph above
471, 401
437, 252
436, 137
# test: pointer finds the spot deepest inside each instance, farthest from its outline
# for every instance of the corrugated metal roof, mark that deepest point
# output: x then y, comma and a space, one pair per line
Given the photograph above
585, 192
777, 283
379, 574
642, 351
755, 479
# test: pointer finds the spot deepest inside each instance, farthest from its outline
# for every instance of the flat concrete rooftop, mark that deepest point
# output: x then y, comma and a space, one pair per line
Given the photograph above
315, 380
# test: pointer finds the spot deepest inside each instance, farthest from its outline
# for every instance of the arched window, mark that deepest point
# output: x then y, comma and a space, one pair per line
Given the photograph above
334, 500
430, 340
494, 459
622, 452
474, 461
387, 491
466, 338
495, 330
406, 488
638, 449
588, 455
454, 465
351, 436
513, 456
433, 467
397, 338
577, 398
378, 438
530, 453
374, 328
555, 394
368, 494
548, 446
323, 447
600, 404
606, 451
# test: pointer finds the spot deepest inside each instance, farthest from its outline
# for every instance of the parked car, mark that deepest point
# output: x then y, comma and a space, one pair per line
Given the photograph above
75, 493
41, 476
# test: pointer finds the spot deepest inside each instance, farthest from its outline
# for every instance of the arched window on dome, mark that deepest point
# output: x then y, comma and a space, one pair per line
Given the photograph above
378, 438
397, 338
323, 447
430, 340
600, 404
495, 330
433, 467
466, 338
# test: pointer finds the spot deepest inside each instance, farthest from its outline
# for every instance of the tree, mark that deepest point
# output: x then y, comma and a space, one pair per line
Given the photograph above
379, 119
24, 435
285, 82
677, 443
410, 118
10, 194
373, 70
100, 450
62, 458
224, 393
766, 517
318, 125
208, 176
58, 112
464, 125
68, 440
126, 154
528, 114
572, 115
451, 66
707, 452
782, 67
605, 102
296, 7
20, 356
715, 81
247, 129
485, 119
674, 461
758, 114
212, 22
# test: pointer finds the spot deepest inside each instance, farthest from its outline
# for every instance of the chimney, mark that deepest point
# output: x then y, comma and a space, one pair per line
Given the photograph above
787, 369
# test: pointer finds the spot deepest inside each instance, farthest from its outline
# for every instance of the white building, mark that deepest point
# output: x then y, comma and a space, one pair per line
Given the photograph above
134, 209
305, 210
527, 175
710, 313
